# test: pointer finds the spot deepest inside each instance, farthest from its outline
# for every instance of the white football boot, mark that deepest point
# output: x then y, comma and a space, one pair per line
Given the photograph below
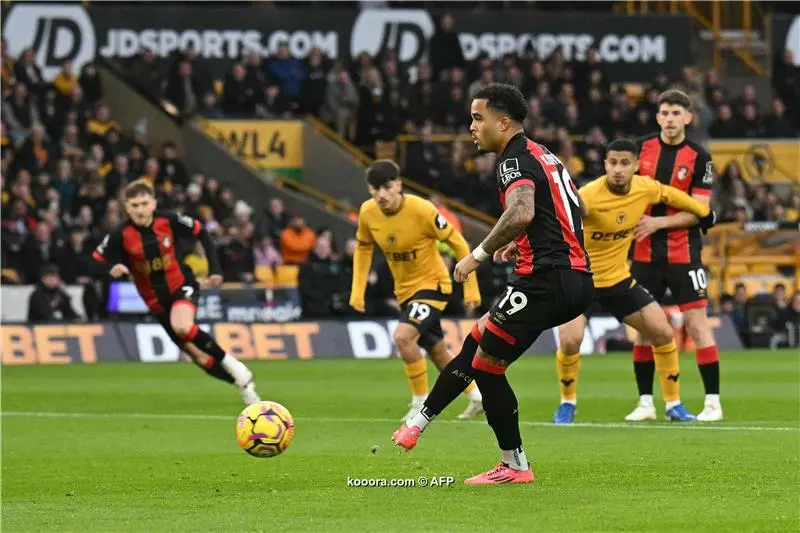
712, 412
641, 413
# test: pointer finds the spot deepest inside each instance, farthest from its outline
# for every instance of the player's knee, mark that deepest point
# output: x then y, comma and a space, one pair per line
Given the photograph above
181, 329
404, 340
661, 336
570, 344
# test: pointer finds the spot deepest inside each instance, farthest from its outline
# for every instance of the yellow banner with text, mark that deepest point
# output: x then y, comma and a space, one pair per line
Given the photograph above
276, 145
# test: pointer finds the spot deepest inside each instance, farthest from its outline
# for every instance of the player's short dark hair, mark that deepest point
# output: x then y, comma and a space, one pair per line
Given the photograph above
382, 171
675, 97
504, 98
623, 145
138, 188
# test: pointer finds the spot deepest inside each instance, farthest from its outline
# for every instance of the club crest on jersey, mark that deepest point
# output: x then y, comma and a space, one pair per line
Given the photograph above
166, 242
683, 172
509, 170
621, 217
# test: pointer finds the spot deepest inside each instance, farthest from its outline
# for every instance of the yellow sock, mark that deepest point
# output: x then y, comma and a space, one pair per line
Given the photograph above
668, 368
568, 366
417, 374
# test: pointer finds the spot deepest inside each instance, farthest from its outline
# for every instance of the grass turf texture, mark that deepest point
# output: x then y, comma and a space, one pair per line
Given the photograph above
116, 468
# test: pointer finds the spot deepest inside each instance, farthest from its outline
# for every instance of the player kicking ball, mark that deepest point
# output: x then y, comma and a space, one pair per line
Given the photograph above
551, 283
408, 229
149, 247
612, 206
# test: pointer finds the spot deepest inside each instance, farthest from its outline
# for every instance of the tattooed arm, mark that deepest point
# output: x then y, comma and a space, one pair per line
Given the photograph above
518, 214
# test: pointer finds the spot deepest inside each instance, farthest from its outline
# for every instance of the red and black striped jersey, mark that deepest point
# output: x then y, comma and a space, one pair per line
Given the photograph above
554, 238
154, 255
688, 167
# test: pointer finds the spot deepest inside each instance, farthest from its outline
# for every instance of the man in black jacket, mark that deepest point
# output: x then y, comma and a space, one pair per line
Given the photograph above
49, 302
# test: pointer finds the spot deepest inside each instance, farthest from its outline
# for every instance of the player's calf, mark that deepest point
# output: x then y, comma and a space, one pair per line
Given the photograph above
568, 365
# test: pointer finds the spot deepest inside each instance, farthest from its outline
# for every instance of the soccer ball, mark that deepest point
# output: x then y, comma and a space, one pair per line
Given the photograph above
265, 429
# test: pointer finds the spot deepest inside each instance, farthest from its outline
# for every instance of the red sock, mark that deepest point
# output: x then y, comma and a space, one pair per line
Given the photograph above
707, 355
642, 354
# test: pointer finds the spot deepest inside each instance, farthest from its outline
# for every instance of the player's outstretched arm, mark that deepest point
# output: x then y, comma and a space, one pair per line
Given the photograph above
362, 260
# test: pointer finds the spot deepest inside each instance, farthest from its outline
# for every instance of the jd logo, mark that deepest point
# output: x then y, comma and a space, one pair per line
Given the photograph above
405, 31
56, 32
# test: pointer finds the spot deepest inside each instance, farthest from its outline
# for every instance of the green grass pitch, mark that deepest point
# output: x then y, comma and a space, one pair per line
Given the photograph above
136, 447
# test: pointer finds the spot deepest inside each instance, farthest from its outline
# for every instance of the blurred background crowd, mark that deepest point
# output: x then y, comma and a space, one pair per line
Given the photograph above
65, 160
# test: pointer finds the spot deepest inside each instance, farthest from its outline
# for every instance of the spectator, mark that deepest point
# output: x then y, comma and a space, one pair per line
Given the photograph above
66, 79
49, 302
341, 102
91, 83
726, 126
319, 285
748, 98
144, 71
50, 114
238, 95
35, 153
289, 74
28, 73
275, 219
236, 254
296, 241
74, 258
265, 253
751, 123
444, 48
777, 124
183, 89
19, 113
38, 251
274, 104
209, 107
316, 83
172, 171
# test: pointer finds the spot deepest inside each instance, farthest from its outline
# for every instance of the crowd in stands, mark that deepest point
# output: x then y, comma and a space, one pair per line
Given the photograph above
65, 160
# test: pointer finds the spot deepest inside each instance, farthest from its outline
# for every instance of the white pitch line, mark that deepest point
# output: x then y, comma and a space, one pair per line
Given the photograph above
599, 425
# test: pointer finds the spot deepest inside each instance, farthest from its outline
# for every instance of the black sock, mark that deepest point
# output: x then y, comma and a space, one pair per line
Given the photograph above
644, 371
710, 374
501, 407
452, 380
207, 344
218, 372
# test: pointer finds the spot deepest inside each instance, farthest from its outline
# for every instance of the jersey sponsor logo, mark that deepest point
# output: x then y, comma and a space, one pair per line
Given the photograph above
441, 222
607, 236
56, 32
402, 257
509, 170
153, 265
708, 175
621, 217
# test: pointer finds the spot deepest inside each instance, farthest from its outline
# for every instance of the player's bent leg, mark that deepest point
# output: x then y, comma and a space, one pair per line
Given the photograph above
208, 354
415, 366
651, 322
699, 329
568, 366
453, 379
502, 413
442, 357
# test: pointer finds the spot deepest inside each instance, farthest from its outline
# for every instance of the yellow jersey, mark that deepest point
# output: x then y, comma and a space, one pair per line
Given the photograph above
409, 240
608, 226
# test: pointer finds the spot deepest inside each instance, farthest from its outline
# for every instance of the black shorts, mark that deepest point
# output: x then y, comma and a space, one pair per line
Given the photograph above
621, 300
427, 320
687, 284
188, 292
547, 300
